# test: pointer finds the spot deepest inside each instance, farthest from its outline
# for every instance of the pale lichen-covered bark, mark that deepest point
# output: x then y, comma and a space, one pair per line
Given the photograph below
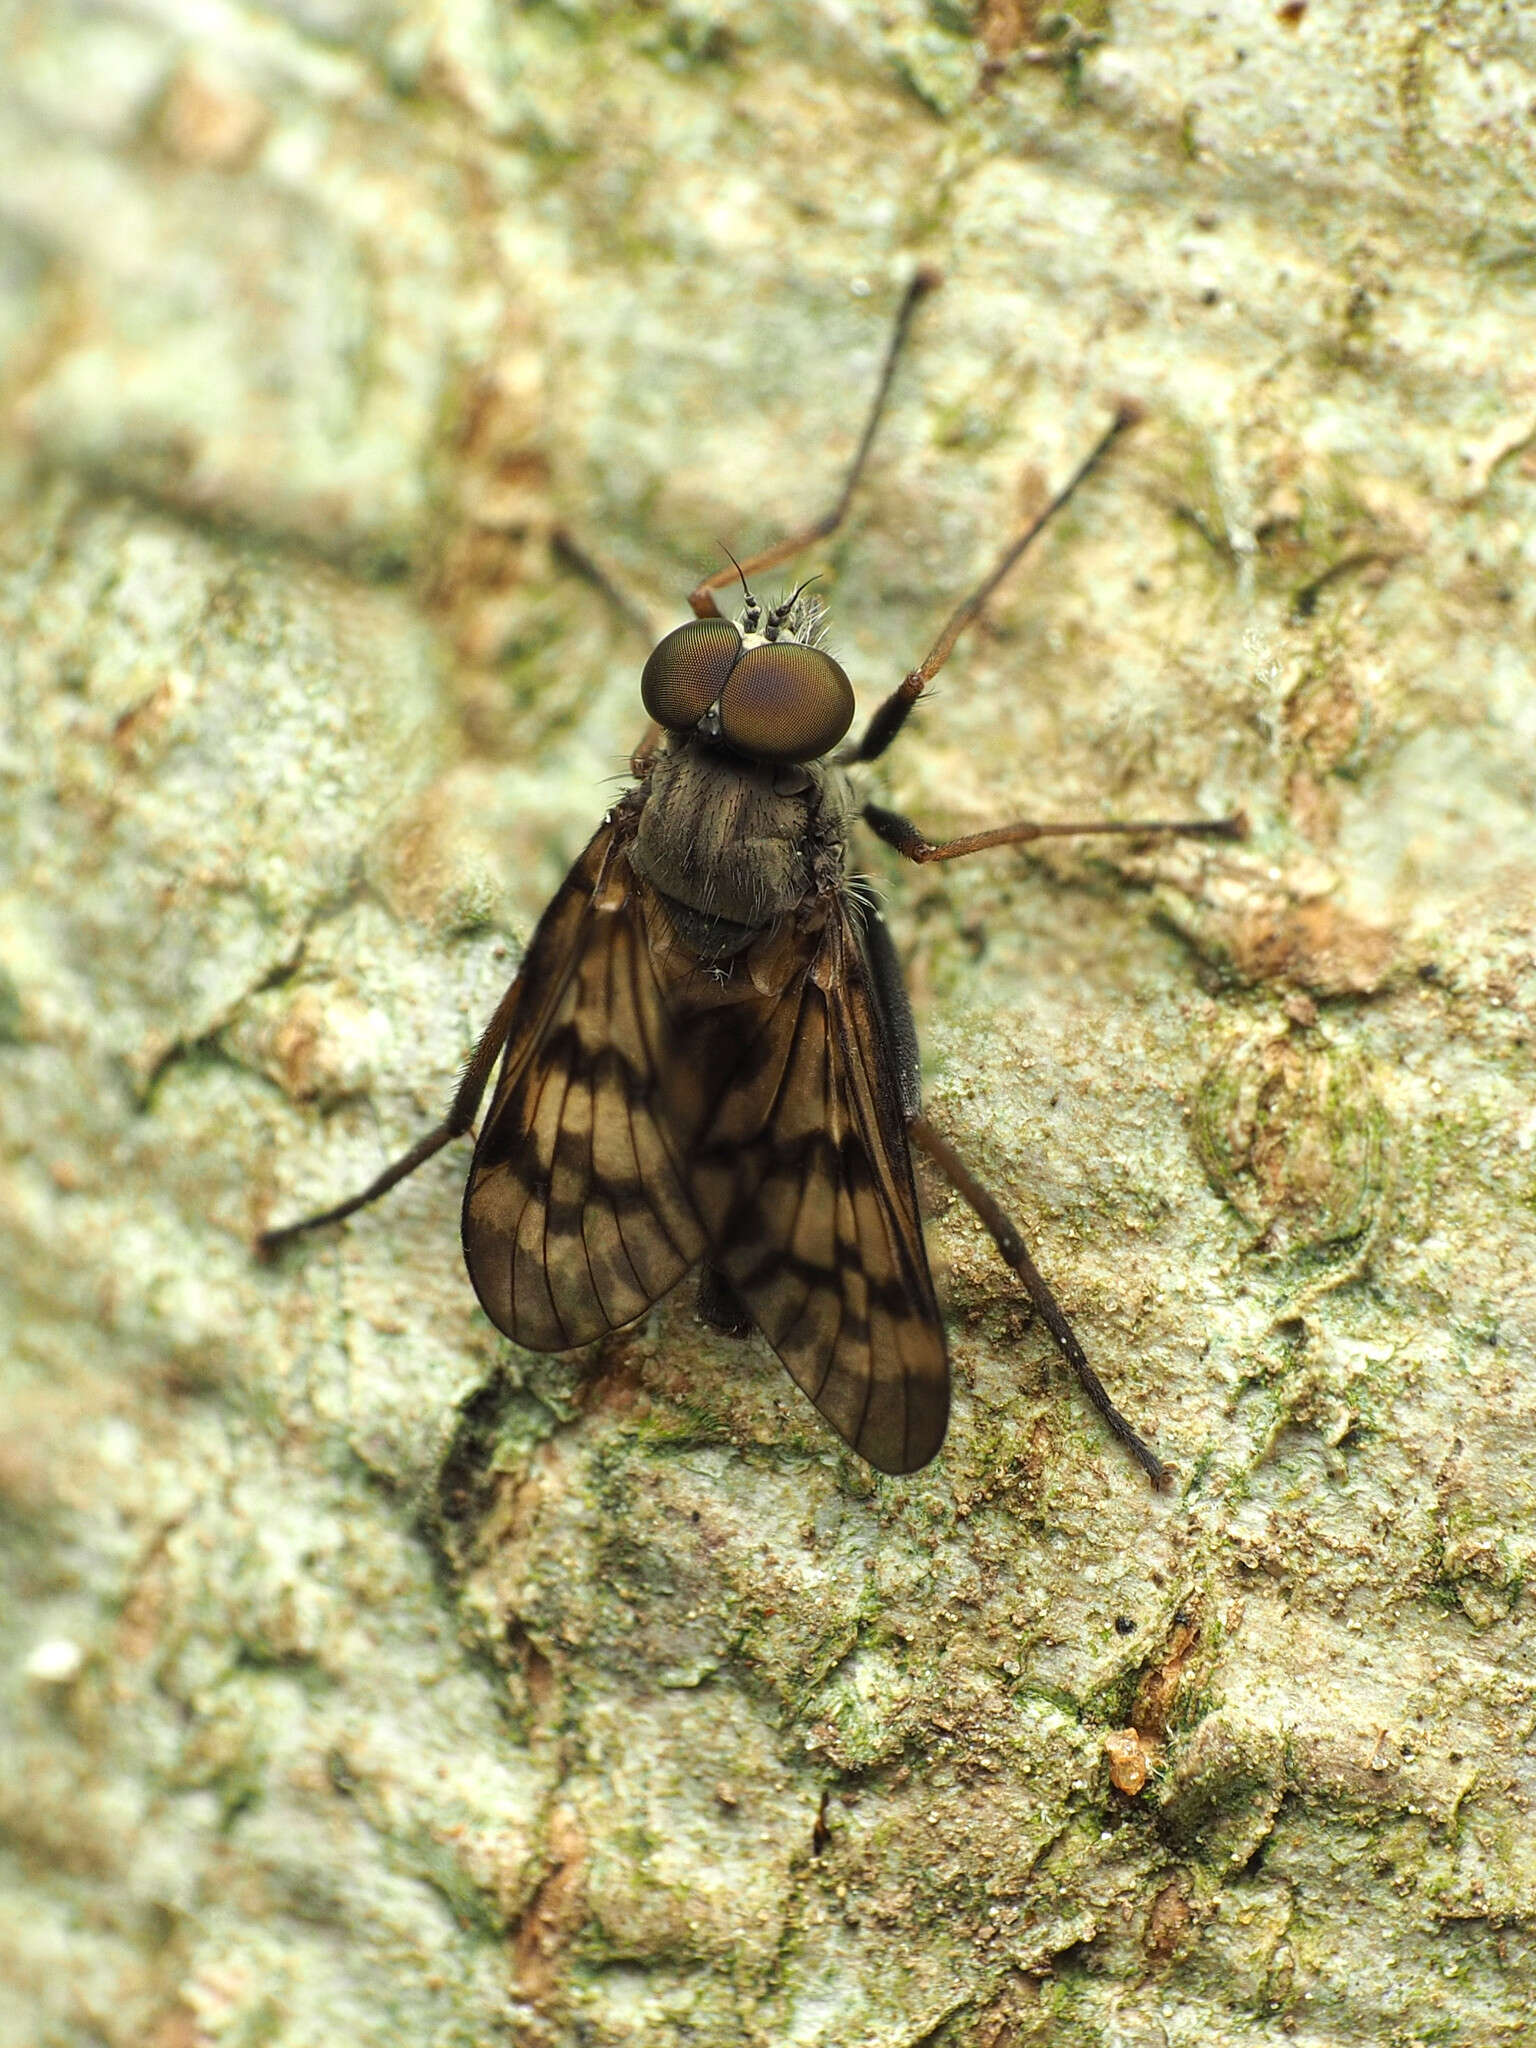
365, 1680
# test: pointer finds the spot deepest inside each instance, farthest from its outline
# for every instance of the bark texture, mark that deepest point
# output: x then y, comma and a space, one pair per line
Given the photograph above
364, 1680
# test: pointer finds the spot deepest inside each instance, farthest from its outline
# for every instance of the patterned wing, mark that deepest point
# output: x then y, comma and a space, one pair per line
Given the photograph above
799, 1168
577, 1214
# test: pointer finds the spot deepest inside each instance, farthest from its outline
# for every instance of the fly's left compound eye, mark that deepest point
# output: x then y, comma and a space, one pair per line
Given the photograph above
785, 702
686, 672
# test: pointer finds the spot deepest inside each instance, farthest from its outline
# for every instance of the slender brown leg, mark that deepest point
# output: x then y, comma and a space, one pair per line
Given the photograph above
1015, 1253
586, 564
702, 598
892, 715
461, 1114
901, 833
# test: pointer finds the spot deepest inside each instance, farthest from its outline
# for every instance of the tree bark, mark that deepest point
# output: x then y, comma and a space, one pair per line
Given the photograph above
366, 377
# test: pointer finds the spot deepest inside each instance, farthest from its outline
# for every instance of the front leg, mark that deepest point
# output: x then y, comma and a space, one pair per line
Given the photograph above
892, 715
702, 597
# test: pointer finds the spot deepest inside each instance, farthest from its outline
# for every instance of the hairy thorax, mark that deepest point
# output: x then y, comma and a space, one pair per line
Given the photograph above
733, 845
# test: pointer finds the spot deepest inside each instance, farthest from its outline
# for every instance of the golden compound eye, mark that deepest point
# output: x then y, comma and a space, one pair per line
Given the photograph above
687, 671
785, 702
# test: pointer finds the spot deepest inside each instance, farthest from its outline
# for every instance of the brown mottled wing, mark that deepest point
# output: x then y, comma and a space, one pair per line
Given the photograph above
799, 1168
576, 1214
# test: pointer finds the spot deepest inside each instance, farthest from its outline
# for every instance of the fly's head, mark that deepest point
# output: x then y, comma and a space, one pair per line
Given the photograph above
762, 685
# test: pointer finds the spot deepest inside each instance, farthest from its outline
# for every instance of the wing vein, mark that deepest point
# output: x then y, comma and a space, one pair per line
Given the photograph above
802, 1178
565, 1096
828, 1105
629, 981
595, 1196
576, 1216
637, 965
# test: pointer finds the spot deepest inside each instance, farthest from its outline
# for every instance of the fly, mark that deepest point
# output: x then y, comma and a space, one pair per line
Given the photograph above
708, 1059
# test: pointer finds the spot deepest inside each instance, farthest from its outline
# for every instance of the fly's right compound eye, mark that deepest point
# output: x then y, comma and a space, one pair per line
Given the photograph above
786, 702
687, 672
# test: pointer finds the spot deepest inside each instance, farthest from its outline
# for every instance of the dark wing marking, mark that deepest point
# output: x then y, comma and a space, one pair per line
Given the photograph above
649, 1110
798, 1164
576, 1213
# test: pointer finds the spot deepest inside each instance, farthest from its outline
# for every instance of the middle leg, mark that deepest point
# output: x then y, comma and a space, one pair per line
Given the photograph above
913, 845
